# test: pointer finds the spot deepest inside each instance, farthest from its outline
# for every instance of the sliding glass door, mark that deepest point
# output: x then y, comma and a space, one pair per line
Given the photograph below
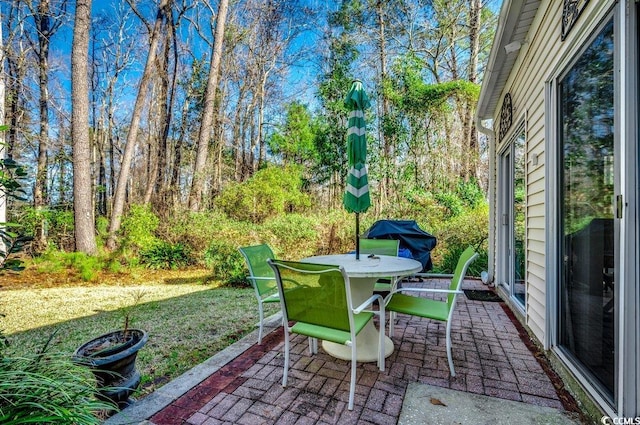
513, 211
587, 186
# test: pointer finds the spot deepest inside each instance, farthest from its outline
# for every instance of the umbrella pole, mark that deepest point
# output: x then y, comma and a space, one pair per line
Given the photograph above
357, 236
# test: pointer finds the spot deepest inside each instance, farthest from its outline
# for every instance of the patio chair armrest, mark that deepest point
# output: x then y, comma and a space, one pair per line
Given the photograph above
441, 291
260, 278
432, 275
368, 302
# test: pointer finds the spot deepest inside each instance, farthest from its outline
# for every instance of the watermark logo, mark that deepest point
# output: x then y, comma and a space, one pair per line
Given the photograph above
607, 420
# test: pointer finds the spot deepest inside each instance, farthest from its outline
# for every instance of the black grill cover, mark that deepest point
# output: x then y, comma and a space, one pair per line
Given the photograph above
410, 235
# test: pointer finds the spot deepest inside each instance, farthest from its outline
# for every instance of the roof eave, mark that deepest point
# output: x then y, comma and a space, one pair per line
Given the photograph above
500, 62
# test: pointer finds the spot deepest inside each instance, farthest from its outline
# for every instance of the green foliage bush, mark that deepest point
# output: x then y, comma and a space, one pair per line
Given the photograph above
451, 202
450, 259
138, 228
294, 234
268, 193
226, 263
470, 193
102, 229
198, 230
87, 265
164, 255
469, 228
336, 231
59, 224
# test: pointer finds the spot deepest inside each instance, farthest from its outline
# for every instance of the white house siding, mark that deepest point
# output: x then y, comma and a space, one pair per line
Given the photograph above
542, 59
538, 56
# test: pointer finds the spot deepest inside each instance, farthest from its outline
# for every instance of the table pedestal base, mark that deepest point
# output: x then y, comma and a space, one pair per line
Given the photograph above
366, 346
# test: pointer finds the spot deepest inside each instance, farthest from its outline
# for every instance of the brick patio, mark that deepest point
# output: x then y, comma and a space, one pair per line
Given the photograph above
492, 355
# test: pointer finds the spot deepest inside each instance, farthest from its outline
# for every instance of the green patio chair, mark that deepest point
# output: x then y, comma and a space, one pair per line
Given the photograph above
430, 308
381, 247
317, 299
261, 277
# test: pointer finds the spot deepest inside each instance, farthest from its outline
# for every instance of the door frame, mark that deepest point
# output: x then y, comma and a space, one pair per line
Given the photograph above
505, 268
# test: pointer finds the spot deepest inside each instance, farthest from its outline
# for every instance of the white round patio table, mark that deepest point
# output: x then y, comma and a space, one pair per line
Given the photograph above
363, 274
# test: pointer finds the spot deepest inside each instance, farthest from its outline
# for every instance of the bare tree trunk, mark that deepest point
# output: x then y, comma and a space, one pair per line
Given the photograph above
470, 133
252, 165
238, 143
16, 76
177, 156
82, 193
121, 187
259, 139
197, 186
153, 141
45, 30
385, 139
3, 151
101, 143
162, 182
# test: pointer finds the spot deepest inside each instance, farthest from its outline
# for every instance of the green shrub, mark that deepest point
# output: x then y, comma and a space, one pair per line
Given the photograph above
450, 261
54, 261
58, 224
294, 234
86, 265
114, 266
336, 232
451, 202
470, 193
469, 228
138, 228
61, 225
268, 193
226, 263
199, 230
164, 255
102, 228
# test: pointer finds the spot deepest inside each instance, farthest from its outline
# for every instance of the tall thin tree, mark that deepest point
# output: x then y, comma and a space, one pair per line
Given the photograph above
47, 23
197, 186
134, 127
82, 192
3, 201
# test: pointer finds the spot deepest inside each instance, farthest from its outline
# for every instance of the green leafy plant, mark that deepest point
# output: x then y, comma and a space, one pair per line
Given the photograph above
451, 202
294, 233
138, 227
164, 255
226, 263
269, 192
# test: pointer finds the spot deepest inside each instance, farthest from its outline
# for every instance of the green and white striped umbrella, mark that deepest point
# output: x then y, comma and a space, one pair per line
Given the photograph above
356, 197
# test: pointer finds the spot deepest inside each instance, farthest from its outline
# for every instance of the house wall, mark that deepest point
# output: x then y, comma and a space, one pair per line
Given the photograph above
532, 84
527, 95
539, 60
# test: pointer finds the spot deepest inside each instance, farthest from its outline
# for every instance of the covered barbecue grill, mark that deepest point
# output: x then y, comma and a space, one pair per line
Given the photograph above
412, 238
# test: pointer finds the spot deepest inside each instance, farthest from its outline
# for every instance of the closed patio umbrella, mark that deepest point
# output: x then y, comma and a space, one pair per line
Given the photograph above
356, 196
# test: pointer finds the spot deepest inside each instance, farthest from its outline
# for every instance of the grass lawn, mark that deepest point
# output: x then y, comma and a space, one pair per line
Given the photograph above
187, 317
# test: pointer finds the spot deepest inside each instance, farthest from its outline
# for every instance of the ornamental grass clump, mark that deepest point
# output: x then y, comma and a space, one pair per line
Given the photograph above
48, 389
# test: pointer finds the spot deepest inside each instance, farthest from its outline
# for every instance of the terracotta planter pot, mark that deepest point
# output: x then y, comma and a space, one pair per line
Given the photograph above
112, 358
